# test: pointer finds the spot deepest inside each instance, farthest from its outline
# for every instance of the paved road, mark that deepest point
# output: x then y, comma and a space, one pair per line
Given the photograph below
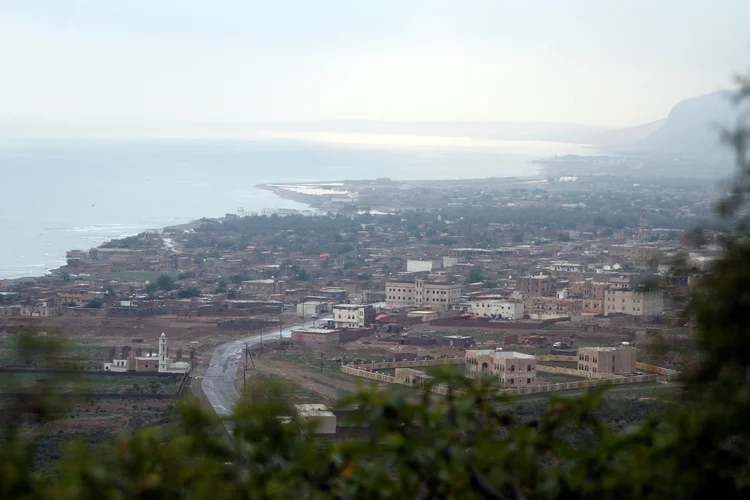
218, 382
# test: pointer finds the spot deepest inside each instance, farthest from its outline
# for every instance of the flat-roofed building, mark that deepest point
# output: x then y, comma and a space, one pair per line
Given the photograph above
514, 369
536, 286
496, 306
438, 296
636, 257
617, 360
411, 377
551, 307
353, 315
645, 304
316, 337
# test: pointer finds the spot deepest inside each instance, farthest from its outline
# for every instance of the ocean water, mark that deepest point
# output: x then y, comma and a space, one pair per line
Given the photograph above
58, 195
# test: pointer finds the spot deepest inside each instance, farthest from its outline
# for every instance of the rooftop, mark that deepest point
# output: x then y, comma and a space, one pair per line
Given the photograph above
512, 354
602, 349
313, 410
321, 331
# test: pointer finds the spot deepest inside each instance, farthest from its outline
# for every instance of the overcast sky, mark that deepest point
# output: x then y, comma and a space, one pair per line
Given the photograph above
620, 62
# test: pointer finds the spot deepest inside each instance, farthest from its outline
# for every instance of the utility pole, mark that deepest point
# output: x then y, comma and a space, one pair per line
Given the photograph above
321, 361
244, 371
280, 337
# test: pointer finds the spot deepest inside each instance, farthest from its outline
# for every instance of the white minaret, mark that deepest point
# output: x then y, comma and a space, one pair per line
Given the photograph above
163, 360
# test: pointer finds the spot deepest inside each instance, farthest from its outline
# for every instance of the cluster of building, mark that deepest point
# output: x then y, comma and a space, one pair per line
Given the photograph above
158, 363
517, 369
560, 289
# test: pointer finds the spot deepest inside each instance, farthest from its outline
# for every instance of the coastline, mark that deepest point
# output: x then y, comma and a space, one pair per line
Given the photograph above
318, 196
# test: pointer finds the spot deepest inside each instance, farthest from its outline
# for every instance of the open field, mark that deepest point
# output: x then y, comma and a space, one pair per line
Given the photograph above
100, 421
294, 392
93, 383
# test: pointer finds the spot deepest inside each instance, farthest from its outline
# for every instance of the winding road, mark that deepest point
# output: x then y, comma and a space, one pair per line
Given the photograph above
218, 381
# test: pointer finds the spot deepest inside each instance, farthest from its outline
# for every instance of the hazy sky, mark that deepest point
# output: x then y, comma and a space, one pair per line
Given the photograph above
619, 62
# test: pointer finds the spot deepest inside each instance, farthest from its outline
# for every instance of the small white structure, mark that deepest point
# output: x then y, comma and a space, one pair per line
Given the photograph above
418, 266
449, 262
117, 365
166, 365
159, 364
325, 419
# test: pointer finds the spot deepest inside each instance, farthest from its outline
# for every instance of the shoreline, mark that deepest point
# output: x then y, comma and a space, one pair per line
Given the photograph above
331, 196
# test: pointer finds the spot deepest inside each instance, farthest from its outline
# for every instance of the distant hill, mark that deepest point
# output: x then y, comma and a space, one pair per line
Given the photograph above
692, 128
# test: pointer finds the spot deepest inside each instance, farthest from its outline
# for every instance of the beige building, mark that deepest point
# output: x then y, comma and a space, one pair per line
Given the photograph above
592, 294
617, 360
536, 286
514, 369
411, 377
644, 304
262, 288
423, 294
550, 307
634, 256
353, 315
77, 297
14, 310
41, 310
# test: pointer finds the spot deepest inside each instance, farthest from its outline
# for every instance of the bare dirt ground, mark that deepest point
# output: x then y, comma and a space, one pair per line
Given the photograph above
93, 336
327, 386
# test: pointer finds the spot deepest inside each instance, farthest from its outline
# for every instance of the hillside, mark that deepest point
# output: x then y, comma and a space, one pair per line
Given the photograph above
691, 129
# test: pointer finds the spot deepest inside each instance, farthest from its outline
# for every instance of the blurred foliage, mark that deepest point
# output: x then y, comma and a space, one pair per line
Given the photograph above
463, 446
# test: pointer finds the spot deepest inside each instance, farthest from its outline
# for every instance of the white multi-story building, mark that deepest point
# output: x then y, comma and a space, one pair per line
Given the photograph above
496, 306
646, 304
353, 315
418, 266
423, 294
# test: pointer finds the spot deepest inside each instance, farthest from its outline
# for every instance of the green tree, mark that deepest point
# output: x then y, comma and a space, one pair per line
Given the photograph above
166, 282
221, 287
95, 304
189, 292
476, 275
302, 275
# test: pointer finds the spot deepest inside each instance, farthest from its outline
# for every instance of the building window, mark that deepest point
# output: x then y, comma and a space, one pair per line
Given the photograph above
528, 380
512, 381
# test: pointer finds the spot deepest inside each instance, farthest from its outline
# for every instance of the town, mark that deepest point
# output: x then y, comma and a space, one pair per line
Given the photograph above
544, 287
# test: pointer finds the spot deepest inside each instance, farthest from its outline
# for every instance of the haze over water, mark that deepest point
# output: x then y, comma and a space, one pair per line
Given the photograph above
60, 195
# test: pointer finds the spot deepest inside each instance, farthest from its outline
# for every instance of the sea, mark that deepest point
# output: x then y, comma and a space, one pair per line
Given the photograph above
62, 194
